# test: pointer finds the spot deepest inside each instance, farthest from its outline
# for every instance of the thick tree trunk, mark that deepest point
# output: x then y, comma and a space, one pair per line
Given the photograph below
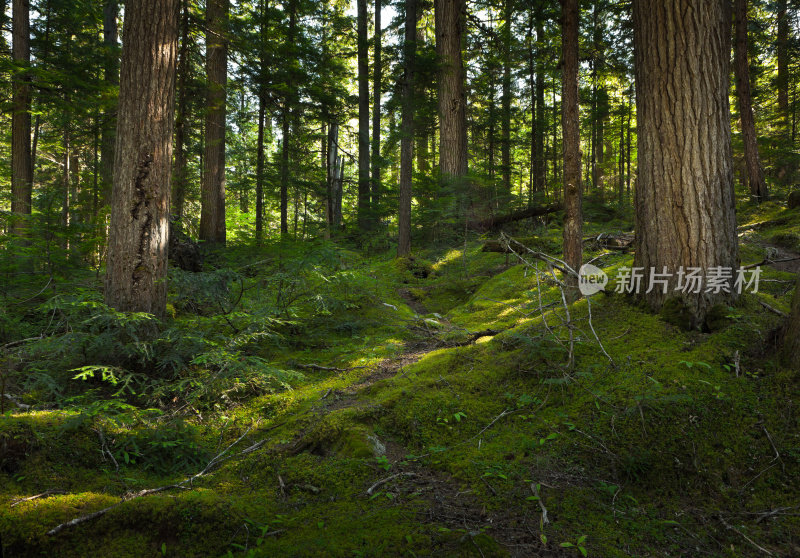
755, 172
363, 119
684, 195
138, 241
407, 131
111, 77
377, 76
573, 214
450, 18
212, 215
21, 162
791, 340
180, 174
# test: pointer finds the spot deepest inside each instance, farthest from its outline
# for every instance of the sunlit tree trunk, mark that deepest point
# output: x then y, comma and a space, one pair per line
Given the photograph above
137, 251
212, 215
684, 190
450, 18
21, 162
573, 220
407, 131
755, 172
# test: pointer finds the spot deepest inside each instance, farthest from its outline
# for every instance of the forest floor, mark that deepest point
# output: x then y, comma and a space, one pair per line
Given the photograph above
426, 407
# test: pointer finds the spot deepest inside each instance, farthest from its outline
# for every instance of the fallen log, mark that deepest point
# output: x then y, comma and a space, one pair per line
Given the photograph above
533, 242
498, 221
609, 241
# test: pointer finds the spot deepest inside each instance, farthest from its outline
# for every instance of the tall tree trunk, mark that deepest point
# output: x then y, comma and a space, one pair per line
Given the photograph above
66, 177
755, 172
684, 204
212, 215
332, 172
285, 169
111, 78
628, 150
181, 171
137, 250
534, 123
407, 131
377, 76
540, 174
262, 101
621, 158
573, 214
21, 162
505, 124
363, 119
783, 60
288, 109
450, 17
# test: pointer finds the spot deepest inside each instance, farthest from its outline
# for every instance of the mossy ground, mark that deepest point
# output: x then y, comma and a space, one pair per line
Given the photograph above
667, 451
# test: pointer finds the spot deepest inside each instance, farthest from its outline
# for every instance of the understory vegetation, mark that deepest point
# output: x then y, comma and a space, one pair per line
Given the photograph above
305, 399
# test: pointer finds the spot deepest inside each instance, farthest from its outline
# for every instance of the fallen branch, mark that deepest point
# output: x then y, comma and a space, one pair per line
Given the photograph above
45, 494
16, 402
745, 537
387, 479
211, 464
535, 490
328, 368
774, 310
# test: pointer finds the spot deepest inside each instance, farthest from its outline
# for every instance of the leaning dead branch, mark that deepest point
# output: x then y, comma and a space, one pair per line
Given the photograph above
552, 263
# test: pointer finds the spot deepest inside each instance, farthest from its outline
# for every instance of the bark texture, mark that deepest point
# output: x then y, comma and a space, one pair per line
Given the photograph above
181, 173
138, 240
21, 163
450, 16
755, 172
212, 215
377, 76
363, 119
407, 131
783, 60
684, 195
573, 220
